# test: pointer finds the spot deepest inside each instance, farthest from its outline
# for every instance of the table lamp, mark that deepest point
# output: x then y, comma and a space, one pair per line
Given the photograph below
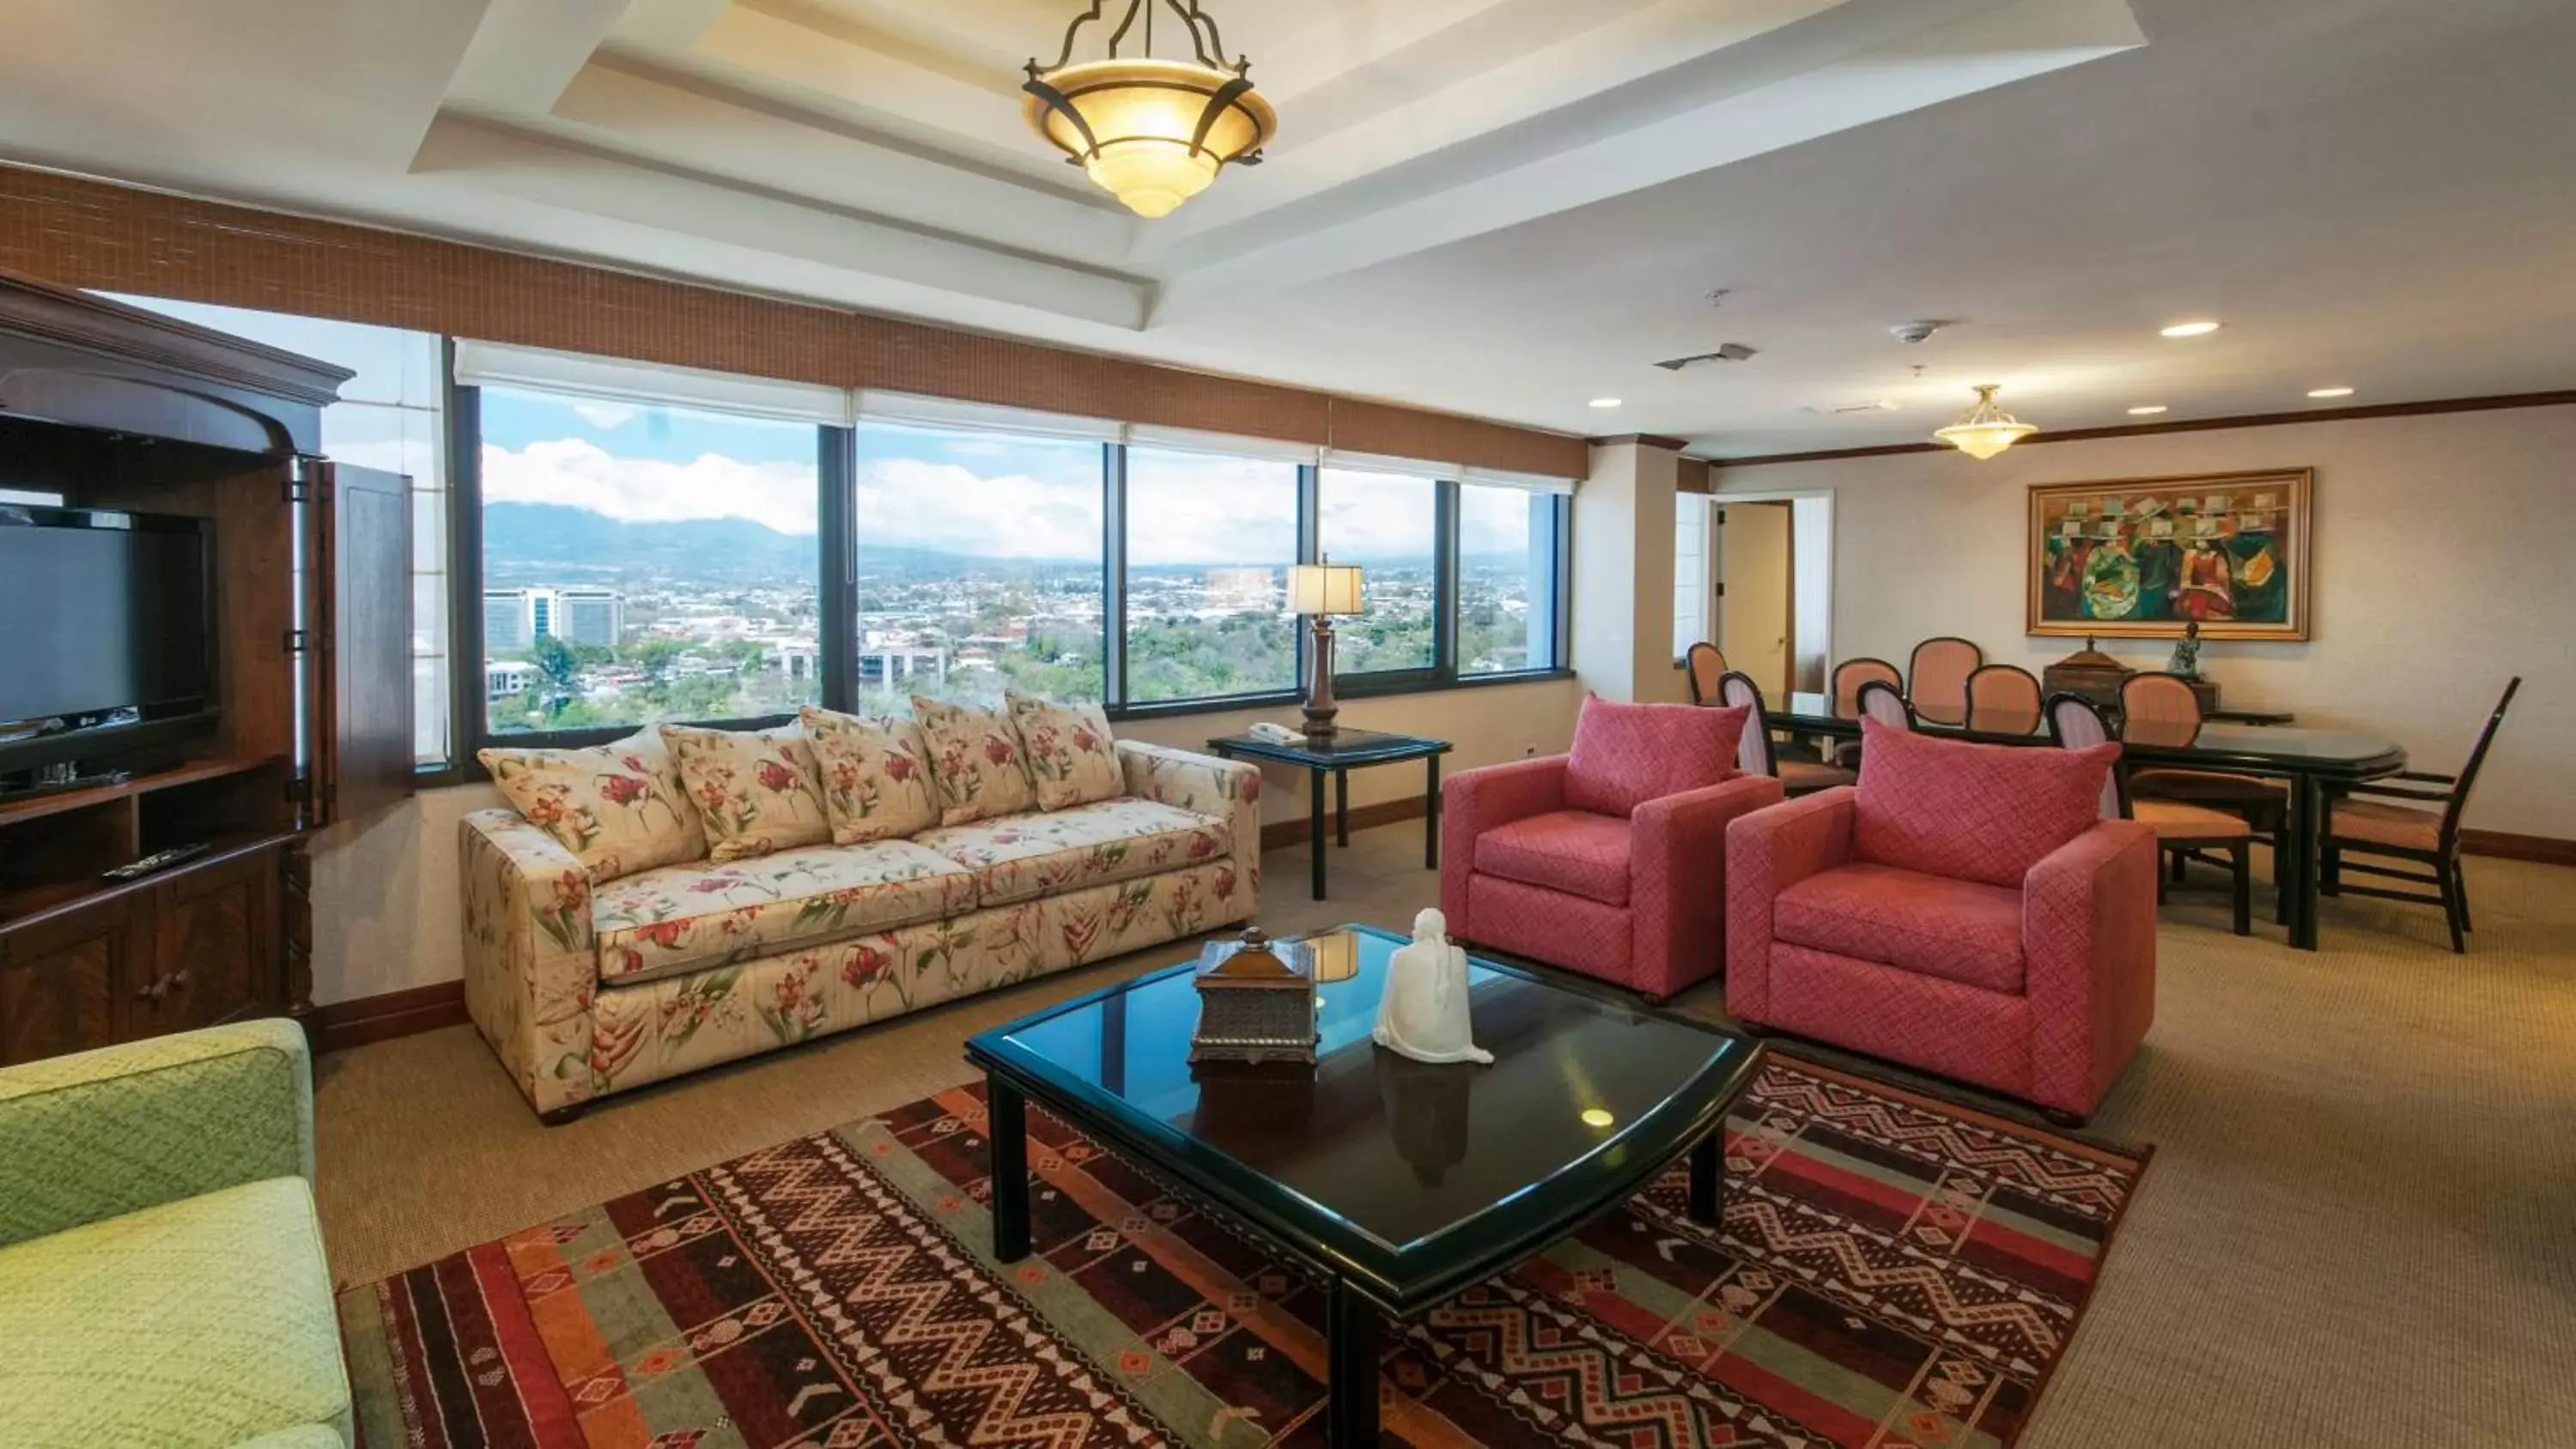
1320, 590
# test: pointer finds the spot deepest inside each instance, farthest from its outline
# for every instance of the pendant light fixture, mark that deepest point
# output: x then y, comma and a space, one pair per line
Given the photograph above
1151, 132
1986, 429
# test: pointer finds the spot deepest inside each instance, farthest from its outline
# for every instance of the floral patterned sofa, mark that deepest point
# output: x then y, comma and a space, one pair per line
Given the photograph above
680, 899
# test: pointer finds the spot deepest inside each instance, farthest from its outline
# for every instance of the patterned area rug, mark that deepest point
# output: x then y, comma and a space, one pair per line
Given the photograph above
1892, 1270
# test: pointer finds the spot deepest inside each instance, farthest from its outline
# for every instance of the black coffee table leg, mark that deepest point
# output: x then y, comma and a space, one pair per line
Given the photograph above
1006, 1135
1351, 1333
1342, 808
1315, 827
1707, 1180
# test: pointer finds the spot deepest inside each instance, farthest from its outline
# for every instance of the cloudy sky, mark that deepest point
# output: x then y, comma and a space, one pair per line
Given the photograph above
921, 488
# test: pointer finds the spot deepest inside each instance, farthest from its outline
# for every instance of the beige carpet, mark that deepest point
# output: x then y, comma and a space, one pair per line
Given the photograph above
2359, 1228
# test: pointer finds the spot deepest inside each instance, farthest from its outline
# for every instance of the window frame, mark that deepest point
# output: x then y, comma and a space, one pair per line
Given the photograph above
836, 452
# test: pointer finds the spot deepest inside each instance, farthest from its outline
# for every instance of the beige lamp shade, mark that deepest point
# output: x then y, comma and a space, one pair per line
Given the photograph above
1325, 588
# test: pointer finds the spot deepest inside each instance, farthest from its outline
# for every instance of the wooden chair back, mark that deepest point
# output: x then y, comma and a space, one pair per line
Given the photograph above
2002, 700
1850, 675
1883, 702
1936, 678
2159, 709
2076, 723
1703, 664
1753, 753
2477, 760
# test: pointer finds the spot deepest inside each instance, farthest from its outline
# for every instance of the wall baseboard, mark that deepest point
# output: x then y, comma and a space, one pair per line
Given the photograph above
2503, 845
1280, 833
344, 1024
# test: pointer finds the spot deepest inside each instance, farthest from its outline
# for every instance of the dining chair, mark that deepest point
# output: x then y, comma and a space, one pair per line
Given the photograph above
1844, 688
2418, 837
2164, 710
1703, 664
2183, 831
1885, 703
2002, 700
1756, 753
1936, 679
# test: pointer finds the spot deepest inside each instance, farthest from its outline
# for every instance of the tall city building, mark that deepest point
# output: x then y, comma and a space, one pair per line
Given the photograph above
584, 617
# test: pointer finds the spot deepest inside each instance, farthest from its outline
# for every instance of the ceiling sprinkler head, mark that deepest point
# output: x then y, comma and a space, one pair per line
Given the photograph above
1911, 332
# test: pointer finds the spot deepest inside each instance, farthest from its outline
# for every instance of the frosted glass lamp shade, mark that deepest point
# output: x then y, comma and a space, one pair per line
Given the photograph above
1324, 589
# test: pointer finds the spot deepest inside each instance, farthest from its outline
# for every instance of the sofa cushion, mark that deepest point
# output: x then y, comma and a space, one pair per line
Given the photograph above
1071, 757
1020, 857
1963, 931
619, 808
1627, 754
875, 775
686, 917
201, 1322
756, 790
1968, 811
975, 758
1573, 851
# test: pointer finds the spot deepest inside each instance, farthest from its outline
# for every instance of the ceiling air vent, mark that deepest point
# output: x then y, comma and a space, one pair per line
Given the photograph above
1731, 352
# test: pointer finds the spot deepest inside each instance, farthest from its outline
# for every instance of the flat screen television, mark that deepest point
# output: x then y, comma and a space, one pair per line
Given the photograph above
107, 630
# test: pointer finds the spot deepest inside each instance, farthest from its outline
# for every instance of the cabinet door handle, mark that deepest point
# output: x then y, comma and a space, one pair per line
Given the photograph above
179, 982
157, 989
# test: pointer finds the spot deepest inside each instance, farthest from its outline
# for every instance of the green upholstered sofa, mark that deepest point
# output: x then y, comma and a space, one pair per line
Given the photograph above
161, 1273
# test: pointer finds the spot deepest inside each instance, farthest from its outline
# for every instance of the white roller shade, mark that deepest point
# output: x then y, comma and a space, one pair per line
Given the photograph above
1226, 445
934, 412
651, 384
1504, 478
1382, 463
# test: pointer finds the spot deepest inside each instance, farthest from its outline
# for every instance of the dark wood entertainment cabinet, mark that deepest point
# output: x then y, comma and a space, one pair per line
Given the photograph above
115, 408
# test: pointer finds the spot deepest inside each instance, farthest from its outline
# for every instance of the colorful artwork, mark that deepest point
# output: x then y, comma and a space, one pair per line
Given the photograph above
2144, 557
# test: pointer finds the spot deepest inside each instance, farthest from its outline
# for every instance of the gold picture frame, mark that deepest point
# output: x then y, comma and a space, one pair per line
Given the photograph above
2142, 558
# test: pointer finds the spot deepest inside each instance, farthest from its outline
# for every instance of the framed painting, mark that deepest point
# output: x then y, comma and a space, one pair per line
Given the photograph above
2143, 557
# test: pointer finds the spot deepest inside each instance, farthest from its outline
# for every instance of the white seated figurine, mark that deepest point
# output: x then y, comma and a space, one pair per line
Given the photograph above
1422, 1013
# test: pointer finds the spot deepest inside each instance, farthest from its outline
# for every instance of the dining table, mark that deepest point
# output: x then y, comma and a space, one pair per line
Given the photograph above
2311, 763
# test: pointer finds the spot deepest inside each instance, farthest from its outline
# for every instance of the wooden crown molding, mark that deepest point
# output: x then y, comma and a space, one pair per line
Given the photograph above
1643, 440
76, 232
2189, 425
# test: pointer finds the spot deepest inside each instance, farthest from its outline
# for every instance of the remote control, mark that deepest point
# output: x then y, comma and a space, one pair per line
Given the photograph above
157, 861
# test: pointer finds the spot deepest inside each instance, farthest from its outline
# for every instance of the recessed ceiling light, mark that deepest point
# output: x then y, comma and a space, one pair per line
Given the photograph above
1605, 402
2151, 408
2191, 329
2330, 392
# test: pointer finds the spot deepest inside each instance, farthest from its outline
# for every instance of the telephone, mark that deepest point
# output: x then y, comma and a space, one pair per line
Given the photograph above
1273, 734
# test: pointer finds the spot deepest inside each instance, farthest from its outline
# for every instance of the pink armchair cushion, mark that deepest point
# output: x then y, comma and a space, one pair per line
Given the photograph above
1968, 811
1627, 754
1566, 850
1958, 930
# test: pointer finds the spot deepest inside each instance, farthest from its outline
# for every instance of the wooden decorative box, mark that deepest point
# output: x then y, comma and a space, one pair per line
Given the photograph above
1256, 1001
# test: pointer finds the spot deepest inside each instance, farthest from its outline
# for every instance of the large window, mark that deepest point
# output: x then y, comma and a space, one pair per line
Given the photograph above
1210, 541
1388, 524
979, 566
1508, 579
389, 419
642, 564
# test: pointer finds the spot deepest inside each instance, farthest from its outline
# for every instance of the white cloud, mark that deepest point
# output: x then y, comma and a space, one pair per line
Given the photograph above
913, 503
580, 474
606, 414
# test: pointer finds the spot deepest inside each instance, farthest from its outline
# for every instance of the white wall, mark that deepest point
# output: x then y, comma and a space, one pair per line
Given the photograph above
2445, 558
1623, 574
385, 897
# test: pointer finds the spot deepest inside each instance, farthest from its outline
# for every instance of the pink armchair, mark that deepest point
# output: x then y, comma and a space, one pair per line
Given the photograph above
1963, 910
1610, 861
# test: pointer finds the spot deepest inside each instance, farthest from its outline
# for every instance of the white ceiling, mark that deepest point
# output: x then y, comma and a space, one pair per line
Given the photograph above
1498, 207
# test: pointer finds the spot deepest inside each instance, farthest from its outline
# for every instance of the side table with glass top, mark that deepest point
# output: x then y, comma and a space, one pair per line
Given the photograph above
1337, 755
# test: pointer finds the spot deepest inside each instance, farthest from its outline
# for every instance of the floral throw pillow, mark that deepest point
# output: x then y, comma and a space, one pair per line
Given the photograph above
975, 757
875, 775
617, 807
1072, 759
756, 792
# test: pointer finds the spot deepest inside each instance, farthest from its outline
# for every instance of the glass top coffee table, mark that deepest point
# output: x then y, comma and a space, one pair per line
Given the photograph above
1396, 1182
